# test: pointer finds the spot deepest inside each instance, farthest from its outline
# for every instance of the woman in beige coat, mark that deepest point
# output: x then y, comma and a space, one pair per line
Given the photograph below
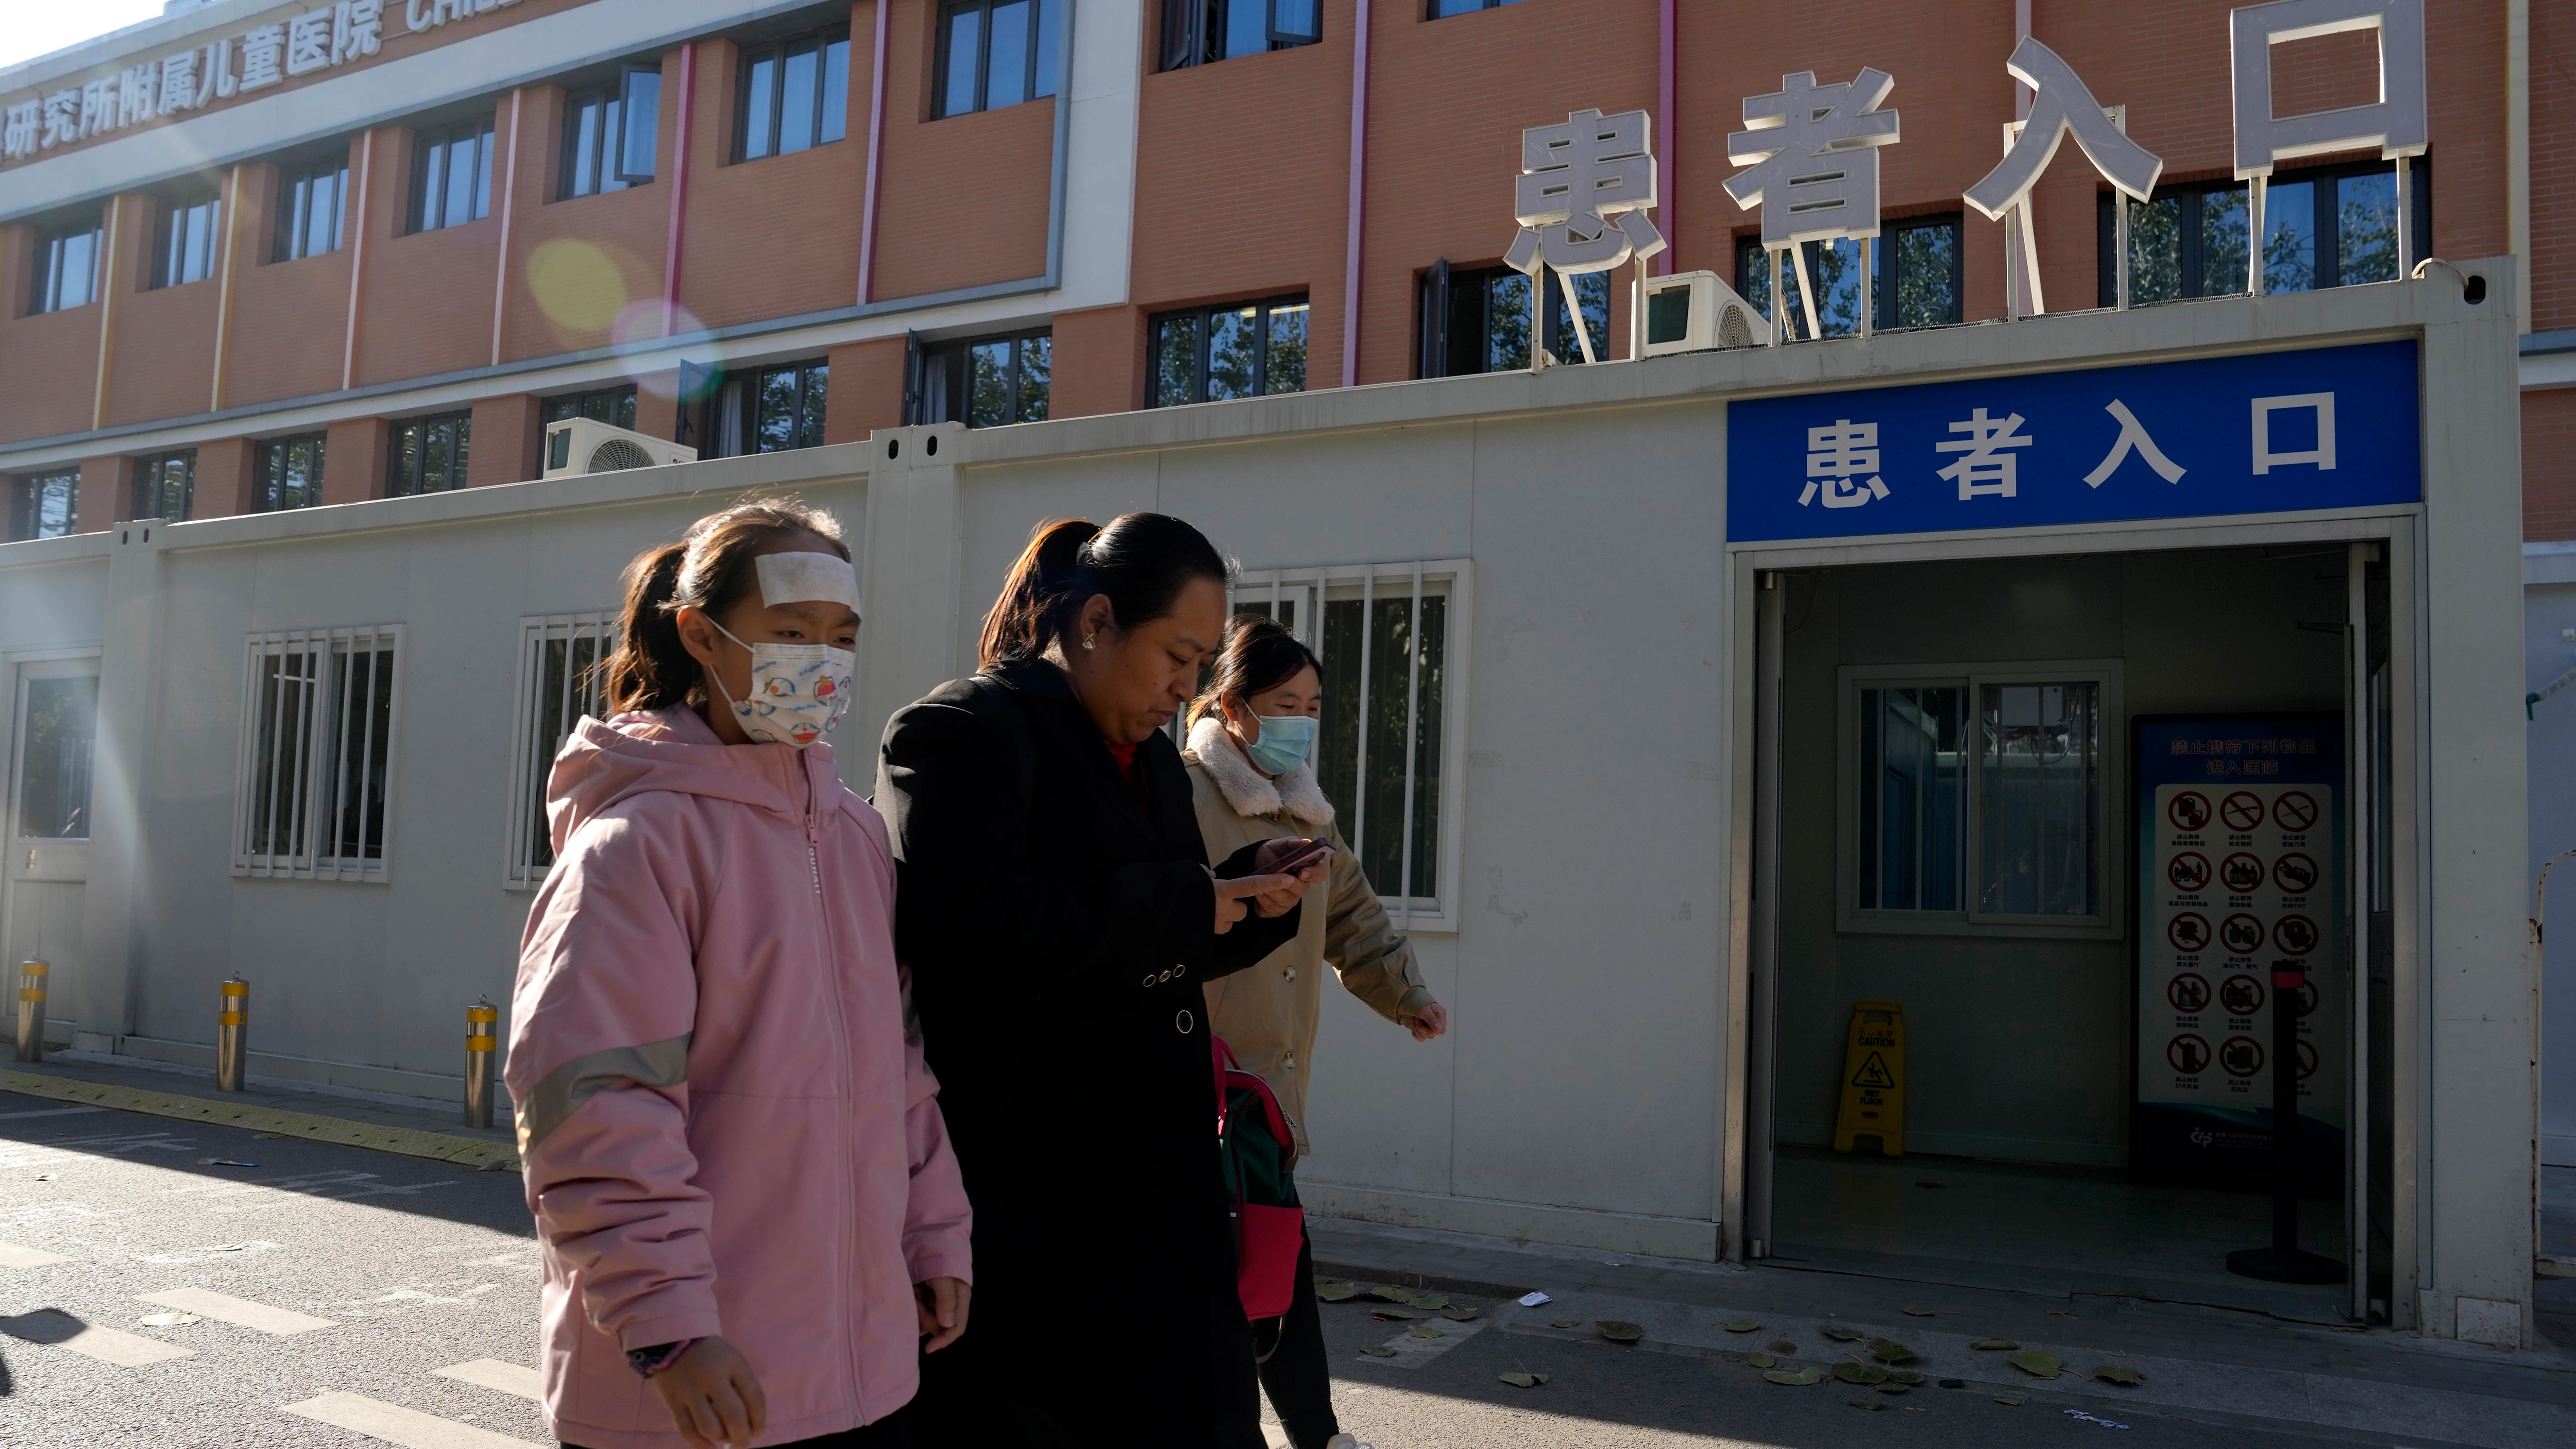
1252, 736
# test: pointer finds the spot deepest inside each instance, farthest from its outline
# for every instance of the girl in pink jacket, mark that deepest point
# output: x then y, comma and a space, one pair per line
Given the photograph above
751, 1220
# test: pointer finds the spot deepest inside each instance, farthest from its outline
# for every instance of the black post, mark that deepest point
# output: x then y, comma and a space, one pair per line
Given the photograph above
2283, 1262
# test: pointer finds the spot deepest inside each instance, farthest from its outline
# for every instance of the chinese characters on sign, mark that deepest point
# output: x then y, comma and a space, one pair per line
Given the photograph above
1810, 155
1581, 199
2060, 103
2155, 440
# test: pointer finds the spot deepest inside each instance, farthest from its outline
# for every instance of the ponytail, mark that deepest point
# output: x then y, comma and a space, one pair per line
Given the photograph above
1141, 561
709, 569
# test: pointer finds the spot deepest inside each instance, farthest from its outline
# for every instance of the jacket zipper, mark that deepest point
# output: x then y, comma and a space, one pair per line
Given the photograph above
841, 1042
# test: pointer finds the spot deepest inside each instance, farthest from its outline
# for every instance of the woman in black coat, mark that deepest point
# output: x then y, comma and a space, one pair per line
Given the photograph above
1058, 917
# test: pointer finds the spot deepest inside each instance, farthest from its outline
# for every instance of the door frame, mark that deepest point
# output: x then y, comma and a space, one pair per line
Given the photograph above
1745, 1153
13, 665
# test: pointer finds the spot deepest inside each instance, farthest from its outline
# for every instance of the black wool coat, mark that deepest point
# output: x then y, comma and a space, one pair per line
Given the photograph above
1057, 929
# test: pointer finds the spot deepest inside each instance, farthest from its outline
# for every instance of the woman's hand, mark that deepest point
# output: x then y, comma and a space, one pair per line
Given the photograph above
713, 1396
1429, 1022
1232, 895
1276, 901
942, 1305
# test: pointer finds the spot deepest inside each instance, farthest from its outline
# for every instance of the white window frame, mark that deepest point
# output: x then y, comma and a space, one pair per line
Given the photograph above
1311, 586
527, 780
2108, 923
316, 791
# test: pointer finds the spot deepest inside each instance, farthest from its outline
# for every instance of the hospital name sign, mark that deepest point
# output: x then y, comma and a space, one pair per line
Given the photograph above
2275, 432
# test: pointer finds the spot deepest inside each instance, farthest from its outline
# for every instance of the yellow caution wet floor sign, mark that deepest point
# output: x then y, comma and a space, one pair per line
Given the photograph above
1874, 1079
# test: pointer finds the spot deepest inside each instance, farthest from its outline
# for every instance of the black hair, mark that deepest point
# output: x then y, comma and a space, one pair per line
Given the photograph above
1260, 654
710, 569
1141, 561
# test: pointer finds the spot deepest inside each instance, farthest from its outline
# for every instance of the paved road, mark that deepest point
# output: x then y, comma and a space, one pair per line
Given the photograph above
347, 1298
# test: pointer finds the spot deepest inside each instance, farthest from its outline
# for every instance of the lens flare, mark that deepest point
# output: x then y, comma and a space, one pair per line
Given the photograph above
579, 287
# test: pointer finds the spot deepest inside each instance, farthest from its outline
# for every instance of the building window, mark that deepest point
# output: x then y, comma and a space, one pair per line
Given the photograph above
996, 53
165, 484
183, 249
795, 94
1246, 349
428, 454
451, 175
309, 202
562, 677
1978, 800
614, 406
1442, 9
44, 505
1478, 320
1917, 279
1198, 32
2331, 227
1392, 742
610, 133
986, 383
67, 263
318, 710
287, 473
786, 407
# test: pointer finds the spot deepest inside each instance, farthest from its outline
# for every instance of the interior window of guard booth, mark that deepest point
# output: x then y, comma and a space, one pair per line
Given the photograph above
428, 455
987, 382
44, 505
67, 266
1477, 320
795, 94
183, 244
1241, 349
1917, 277
287, 473
165, 485
451, 176
610, 133
310, 199
1202, 32
996, 53
2333, 226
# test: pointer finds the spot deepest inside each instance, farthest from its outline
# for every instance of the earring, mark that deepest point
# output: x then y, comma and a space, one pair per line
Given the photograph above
1087, 638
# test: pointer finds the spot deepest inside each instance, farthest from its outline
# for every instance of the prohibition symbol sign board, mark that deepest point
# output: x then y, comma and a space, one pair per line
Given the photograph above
2307, 999
2307, 1061
2295, 811
2294, 873
2244, 934
2189, 993
2189, 932
2242, 1056
2243, 809
2241, 995
2189, 872
2296, 935
2242, 873
2189, 811
2187, 1054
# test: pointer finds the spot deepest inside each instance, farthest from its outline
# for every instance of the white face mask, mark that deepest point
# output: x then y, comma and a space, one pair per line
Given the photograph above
797, 690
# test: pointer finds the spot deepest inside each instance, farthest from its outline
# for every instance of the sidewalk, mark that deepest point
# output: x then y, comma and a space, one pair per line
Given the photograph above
412, 1126
2214, 1365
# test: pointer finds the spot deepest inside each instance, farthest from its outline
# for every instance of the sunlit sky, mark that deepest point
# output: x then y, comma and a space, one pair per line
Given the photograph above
30, 28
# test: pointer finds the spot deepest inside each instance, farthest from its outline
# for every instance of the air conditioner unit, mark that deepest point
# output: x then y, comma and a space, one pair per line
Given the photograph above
577, 446
1694, 311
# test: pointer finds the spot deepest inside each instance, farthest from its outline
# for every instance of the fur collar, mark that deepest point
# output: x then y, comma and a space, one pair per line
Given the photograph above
1295, 794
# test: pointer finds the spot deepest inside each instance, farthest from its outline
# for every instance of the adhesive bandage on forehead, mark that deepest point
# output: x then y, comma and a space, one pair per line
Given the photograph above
800, 578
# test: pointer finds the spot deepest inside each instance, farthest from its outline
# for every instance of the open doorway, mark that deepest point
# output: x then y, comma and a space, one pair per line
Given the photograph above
2042, 832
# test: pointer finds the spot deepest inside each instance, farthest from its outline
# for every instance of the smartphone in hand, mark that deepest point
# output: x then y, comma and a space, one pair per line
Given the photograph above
1314, 852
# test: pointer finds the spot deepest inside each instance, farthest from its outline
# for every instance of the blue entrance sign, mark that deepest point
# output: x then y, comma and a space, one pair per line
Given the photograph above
2329, 427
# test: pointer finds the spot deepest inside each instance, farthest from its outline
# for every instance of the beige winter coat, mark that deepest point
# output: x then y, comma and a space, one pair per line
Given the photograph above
1267, 1015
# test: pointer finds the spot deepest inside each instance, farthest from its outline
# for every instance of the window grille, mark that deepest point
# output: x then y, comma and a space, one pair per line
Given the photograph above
562, 677
1391, 637
311, 798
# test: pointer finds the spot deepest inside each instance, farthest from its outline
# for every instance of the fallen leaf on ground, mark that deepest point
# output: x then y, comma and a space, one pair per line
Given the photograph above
1795, 1377
168, 1320
1888, 1350
1618, 1331
2118, 1373
1429, 1300
1860, 1373
1918, 1312
1392, 1315
1524, 1381
1781, 1345
1840, 1334
1377, 1350
2037, 1361
1867, 1404
1332, 1292
1565, 1323
1903, 1376
1761, 1360
1741, 1325
1392, 1294
1425, 1330
2008, 1403
1994, 1343
1458, 1315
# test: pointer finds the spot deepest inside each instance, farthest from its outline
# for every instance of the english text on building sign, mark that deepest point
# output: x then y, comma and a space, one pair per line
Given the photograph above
2331, 427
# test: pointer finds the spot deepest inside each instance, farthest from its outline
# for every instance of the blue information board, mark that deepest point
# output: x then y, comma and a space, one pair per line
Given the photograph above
2329, 427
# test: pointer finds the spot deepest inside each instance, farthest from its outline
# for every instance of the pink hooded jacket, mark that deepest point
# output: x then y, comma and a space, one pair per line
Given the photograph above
723, 1128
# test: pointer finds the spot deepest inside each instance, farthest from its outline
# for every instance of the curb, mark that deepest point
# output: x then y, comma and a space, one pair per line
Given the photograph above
409, 1142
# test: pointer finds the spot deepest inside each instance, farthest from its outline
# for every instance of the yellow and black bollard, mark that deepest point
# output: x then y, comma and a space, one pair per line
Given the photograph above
480, 1059
232, 1036
31, 1010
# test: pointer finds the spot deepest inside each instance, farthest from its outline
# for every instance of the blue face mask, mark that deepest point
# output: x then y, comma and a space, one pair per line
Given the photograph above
1284, 744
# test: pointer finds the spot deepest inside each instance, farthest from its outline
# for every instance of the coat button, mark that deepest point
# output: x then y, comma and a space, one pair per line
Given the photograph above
1288, 975
1289, 1060
1183, 1022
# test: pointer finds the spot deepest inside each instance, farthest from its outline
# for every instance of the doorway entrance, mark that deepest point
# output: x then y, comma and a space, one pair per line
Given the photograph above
53, 727
2035, 838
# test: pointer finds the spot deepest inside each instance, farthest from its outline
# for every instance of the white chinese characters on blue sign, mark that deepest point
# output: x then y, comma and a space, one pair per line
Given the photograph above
2331, 427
